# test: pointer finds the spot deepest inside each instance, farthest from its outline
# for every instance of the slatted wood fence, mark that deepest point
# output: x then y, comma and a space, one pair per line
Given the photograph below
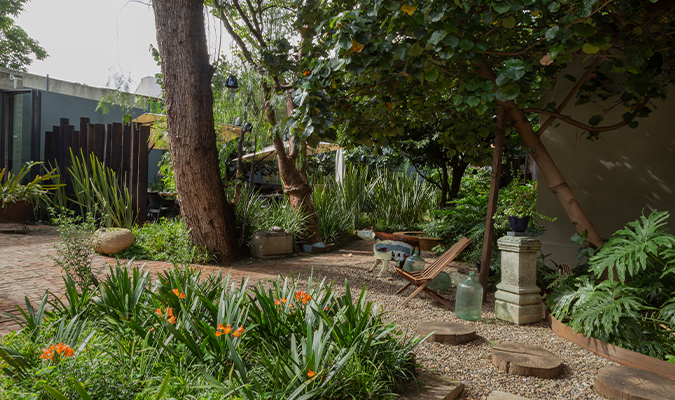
121, 147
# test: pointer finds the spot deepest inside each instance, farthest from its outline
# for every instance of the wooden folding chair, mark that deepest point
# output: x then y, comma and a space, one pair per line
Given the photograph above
422, 278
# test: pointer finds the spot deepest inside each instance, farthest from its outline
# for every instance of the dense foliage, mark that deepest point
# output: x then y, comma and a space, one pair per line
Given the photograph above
635, 308
16, 48
191, 336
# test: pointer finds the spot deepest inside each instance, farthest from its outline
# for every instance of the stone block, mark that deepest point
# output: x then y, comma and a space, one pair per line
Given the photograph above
497, 395
111, 241
432, 387
520, 315
270, 244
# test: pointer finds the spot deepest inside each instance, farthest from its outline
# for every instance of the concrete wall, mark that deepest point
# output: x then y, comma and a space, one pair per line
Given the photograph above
614, 178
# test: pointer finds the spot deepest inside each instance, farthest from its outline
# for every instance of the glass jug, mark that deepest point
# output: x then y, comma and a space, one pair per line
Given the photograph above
469, 299
414, 262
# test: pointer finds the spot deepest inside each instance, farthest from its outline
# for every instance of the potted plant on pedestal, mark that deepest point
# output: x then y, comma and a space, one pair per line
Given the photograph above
518, 204
17, 199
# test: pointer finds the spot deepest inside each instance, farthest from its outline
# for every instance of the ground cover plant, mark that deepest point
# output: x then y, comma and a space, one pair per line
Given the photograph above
635, 307
192, 336
166, 240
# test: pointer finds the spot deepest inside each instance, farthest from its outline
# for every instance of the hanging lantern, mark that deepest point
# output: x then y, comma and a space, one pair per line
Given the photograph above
231, 83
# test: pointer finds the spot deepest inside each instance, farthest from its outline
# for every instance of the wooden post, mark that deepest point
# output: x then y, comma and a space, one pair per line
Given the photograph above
116, 147
133, 165
84, 134
492, 200
142, 205
126, 157
107, 150
68, 134
63, 149
91, 139
49, 153
99, 141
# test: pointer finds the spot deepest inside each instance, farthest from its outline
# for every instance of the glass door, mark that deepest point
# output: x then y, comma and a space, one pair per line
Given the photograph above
19, 129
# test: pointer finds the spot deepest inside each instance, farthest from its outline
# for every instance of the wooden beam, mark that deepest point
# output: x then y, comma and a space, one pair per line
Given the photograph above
492, 201
142, 191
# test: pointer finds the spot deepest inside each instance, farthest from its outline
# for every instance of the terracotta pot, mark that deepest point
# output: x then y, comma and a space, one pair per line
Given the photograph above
16, 213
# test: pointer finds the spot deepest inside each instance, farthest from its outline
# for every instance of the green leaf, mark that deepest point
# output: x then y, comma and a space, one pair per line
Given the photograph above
57, 395
595, 120
415, 50
509, 23
437, 37
431, 74
451, 41
555, 50
81, 390
487, 85
466, 44
508, 92
345, 42
473, 101
446, 53
590, 49
502, 8
584, 30
550, 34
501, 80
515, 68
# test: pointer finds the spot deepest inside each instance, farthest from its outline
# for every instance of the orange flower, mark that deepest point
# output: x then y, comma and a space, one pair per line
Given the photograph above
311, 373
239, 331
169, 311
283, 300
159, 311
306, 73
172, 319
218, 333
290, 306
306, 298
277, 303
326, 308
300, 294
61, 350
178, 293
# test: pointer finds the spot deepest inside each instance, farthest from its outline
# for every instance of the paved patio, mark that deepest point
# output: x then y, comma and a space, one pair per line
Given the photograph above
27, 271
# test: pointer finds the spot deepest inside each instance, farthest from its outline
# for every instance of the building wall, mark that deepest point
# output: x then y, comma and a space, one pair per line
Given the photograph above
614, 178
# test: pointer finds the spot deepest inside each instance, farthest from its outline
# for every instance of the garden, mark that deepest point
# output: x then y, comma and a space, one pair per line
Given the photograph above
445, 116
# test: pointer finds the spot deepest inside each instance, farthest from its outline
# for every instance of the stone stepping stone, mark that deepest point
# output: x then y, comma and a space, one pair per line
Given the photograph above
625, 383
497, 395
447, 332
526, 360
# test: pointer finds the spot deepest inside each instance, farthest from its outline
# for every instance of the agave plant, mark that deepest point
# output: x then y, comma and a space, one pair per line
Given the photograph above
12, 188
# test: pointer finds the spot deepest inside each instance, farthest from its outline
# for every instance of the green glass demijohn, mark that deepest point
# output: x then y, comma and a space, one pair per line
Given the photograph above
414, 262
469, 300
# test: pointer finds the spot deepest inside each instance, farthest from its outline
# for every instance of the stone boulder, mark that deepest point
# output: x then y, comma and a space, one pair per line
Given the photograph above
111, 241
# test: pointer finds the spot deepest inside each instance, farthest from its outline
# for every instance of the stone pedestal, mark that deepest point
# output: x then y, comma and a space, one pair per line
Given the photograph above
517, 298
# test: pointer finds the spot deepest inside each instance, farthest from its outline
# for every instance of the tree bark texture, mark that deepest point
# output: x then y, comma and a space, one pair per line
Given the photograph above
493, 198
555, 179
189, 110
457, 174
298, 189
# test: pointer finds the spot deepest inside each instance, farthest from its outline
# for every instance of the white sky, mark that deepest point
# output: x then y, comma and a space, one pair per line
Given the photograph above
90, 40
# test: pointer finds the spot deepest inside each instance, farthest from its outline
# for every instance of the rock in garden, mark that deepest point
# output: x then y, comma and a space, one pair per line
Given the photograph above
112, 240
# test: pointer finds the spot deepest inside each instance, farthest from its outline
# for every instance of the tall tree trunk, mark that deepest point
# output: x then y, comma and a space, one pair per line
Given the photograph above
445, 188
457, 173
189, 110
298, 189
556, 182
493, 197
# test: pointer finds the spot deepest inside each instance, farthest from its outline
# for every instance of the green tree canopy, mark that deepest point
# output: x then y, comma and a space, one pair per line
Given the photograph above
16, 47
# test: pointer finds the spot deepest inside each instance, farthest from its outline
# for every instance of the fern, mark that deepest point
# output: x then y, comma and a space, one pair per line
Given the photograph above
632, 250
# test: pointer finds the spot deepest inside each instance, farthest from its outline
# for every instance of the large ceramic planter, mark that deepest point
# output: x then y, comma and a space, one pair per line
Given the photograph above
426, 243
15, 213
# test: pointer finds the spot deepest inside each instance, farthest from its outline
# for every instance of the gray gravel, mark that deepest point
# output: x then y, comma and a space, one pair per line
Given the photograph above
471, 363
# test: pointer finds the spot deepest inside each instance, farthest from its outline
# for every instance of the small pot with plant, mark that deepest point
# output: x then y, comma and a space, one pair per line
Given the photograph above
17, 199
518, 204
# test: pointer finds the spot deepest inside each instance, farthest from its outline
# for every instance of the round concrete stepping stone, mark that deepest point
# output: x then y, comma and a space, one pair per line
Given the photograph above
526, 360
627, 383
447, 332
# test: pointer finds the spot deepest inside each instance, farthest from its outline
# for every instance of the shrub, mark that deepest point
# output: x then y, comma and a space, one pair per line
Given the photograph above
219, 340
635, 307
166, 240
75, 252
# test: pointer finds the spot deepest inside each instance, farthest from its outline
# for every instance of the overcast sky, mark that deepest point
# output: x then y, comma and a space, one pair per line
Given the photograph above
90, 40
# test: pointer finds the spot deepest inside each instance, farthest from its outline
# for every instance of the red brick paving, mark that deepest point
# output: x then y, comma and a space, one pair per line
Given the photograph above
27, 271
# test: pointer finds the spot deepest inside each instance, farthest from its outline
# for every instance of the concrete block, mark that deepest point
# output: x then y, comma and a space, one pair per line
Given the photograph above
270, 244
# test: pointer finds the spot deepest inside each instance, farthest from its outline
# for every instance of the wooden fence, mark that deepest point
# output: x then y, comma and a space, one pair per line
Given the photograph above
122, 148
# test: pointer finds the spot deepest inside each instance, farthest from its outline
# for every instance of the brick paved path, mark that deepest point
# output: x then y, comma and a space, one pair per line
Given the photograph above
26, 270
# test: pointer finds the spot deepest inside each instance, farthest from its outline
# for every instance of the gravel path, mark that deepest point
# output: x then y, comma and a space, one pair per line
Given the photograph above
471, 363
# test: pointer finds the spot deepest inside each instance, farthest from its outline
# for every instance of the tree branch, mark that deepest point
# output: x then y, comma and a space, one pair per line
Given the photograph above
237, 38
576, 88
594, 129
257, 34
253, 16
